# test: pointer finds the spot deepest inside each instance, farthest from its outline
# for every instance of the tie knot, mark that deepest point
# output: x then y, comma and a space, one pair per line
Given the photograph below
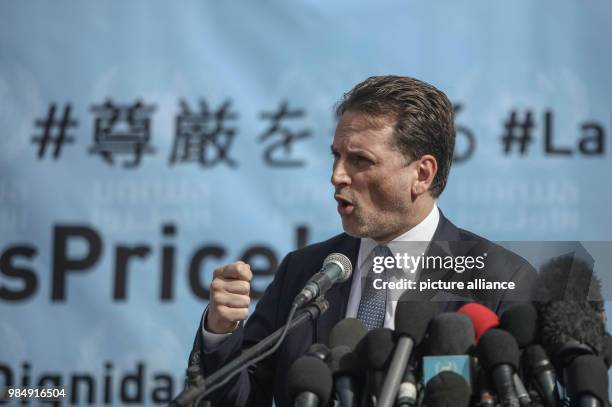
382, 251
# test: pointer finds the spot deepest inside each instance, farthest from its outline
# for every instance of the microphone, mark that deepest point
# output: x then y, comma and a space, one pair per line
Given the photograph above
587, 382
542, 374
570, 329
499, 354
447, 389
376, 348
451, 333
319, 351
348, 332
408, 392
337, 268
485, 394
347, 371
482, 318
346, 367
521, 321
451, 339
309, 382
411, 321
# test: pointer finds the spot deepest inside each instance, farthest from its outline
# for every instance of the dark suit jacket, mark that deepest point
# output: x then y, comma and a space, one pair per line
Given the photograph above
258, 385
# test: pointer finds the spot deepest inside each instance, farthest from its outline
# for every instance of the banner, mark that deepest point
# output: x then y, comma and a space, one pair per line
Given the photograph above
145, 143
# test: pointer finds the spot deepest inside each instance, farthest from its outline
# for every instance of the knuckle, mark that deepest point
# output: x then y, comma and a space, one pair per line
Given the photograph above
244, 287
214, 285
216, 298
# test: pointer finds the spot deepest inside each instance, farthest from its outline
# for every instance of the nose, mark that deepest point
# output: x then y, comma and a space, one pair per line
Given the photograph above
339, 175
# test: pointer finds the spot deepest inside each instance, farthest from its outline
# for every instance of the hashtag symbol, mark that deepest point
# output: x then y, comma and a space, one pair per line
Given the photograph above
518, 133
54, 131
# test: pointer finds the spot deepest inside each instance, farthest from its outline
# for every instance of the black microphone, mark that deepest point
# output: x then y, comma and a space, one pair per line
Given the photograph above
309, 382
451, 339
348, 332
411, 321
521, 321
587, 382
376, 348
408, 392
319, 351
346, 367
499, 354
337, 268
485, 395
542, 374
348, 372
451, 333
447, 389
570, 329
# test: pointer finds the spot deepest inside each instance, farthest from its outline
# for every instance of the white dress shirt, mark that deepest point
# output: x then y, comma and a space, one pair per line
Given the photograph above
423, 233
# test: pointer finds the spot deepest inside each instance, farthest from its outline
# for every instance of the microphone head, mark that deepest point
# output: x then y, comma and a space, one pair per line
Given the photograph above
413, 317
310, 374
343, 262
497, 347
521, 321
588, 375
377, 348
563, 323
451, 333
447, 389
343, 361
347, 332
482, 318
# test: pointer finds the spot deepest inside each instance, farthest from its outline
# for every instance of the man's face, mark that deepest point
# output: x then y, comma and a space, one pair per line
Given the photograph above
372, 178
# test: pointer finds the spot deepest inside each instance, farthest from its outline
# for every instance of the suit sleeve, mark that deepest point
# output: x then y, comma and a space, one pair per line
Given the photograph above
253, 386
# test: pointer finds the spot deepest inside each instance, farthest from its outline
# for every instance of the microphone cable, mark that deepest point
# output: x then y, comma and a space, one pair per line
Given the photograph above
253, 361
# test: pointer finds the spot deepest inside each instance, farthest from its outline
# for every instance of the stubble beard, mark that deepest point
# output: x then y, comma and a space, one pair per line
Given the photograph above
374, 225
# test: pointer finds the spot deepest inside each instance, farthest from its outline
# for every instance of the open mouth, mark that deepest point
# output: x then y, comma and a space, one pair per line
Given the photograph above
345, 206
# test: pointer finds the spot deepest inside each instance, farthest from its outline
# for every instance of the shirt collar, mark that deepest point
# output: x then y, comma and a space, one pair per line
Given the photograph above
422, 232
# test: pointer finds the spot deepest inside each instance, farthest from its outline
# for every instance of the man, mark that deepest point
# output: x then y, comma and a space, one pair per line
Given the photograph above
392, 150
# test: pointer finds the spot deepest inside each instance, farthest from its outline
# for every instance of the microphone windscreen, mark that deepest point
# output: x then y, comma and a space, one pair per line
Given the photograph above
497, 347
451, 333
310, 374
343, 361
482, 318
588, 375
563, 322
347, 332
377, 348
447, 389
521, 321
412, 317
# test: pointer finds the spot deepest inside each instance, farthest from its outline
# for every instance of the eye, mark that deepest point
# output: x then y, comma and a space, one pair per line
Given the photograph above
361, 160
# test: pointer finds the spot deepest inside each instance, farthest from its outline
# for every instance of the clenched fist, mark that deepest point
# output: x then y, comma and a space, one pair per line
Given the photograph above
229, 297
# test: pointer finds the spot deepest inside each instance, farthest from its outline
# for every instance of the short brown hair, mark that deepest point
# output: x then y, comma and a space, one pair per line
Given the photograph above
424, 118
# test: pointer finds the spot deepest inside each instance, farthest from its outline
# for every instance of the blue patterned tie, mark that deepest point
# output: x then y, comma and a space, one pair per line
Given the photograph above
373, 303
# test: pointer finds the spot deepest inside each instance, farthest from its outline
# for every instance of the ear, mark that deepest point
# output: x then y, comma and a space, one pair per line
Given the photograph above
426, 169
